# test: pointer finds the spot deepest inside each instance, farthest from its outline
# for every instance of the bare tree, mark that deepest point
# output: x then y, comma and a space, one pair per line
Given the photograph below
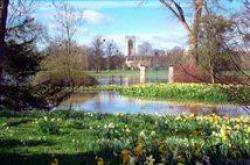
97, 52
110, 50
179, 13
145, 49
175, 55
68, 20
192, 28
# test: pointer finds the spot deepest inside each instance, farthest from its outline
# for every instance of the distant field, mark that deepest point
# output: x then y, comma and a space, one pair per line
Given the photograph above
129, 73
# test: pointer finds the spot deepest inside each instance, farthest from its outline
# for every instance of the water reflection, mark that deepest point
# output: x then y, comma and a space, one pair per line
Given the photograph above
111, 102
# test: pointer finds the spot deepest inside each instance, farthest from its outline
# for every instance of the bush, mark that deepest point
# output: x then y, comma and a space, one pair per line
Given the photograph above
192, 73
61, 79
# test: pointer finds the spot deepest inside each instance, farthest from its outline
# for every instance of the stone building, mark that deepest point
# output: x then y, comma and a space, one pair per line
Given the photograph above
133, 60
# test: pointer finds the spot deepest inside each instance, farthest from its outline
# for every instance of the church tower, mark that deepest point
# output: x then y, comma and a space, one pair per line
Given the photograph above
130, 46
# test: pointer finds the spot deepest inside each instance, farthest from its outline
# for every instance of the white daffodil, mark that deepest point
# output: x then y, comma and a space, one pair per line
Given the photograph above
149, 160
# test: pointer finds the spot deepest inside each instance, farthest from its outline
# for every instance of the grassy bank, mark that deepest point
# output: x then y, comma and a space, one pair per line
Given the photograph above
85, 138
185, 92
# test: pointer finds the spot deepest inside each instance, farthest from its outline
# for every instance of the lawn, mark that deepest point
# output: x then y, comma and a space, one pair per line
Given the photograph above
70, 137
163, 73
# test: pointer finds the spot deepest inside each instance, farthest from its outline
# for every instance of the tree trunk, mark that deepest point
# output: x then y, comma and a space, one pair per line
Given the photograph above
212, 77
211, 72
3, 19
198, 6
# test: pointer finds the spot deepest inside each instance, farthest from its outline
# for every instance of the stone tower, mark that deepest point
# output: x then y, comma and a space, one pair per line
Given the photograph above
130, 46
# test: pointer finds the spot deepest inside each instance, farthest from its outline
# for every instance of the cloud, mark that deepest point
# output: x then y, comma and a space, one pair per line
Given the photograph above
100, 4
95, 17
117, 4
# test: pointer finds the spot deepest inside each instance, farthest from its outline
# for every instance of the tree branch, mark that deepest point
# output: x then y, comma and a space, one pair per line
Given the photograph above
178, 12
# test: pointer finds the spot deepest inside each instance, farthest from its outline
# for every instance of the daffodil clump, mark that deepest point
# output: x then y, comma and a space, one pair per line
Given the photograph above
208, 93
70, 137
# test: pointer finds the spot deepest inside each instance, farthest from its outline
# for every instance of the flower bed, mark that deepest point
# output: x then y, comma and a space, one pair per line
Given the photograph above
69, 137
209, 93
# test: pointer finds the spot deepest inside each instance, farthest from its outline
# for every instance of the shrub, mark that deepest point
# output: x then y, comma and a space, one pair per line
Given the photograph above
190, 73
77, 78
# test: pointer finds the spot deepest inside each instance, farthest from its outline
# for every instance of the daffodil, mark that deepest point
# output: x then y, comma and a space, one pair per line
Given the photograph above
127, 130
149, 160
125, 157
138, 150
100, 161
142, 134
45, 118
55, 162
237, 126
152, 133
224, 133
132, 160
248, 130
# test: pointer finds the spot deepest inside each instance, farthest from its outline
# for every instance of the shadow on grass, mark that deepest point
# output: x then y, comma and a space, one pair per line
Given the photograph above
9, 157
88, 158
18, 122
8, 144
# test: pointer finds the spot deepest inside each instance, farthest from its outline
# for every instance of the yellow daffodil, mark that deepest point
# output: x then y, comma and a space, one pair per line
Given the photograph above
248, 130
55, 162
100, 161
127, 130
138, 150
125, 157
142, 134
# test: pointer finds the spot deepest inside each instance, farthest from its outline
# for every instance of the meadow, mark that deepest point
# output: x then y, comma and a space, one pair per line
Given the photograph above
151, 73
71, 137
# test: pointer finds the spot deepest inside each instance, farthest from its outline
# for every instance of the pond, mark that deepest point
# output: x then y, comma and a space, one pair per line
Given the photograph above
112, 103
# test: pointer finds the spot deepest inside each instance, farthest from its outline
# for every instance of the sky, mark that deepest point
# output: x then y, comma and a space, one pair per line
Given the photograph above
115, 19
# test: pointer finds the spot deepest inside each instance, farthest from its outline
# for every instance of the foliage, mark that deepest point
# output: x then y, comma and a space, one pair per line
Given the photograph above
211, 93
117, 139
19, 64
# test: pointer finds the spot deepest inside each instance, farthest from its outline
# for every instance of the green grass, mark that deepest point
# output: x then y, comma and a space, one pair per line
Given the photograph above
72, 137
204, 93
128, 73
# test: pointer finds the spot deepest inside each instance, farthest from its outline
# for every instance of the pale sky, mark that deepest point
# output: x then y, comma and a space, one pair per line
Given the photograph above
114, 19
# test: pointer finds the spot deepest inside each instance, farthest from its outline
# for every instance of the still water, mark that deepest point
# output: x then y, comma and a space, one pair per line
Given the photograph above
111, 102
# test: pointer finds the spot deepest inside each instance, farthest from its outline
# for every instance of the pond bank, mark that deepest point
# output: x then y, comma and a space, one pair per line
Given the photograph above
70, 137
199, 93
